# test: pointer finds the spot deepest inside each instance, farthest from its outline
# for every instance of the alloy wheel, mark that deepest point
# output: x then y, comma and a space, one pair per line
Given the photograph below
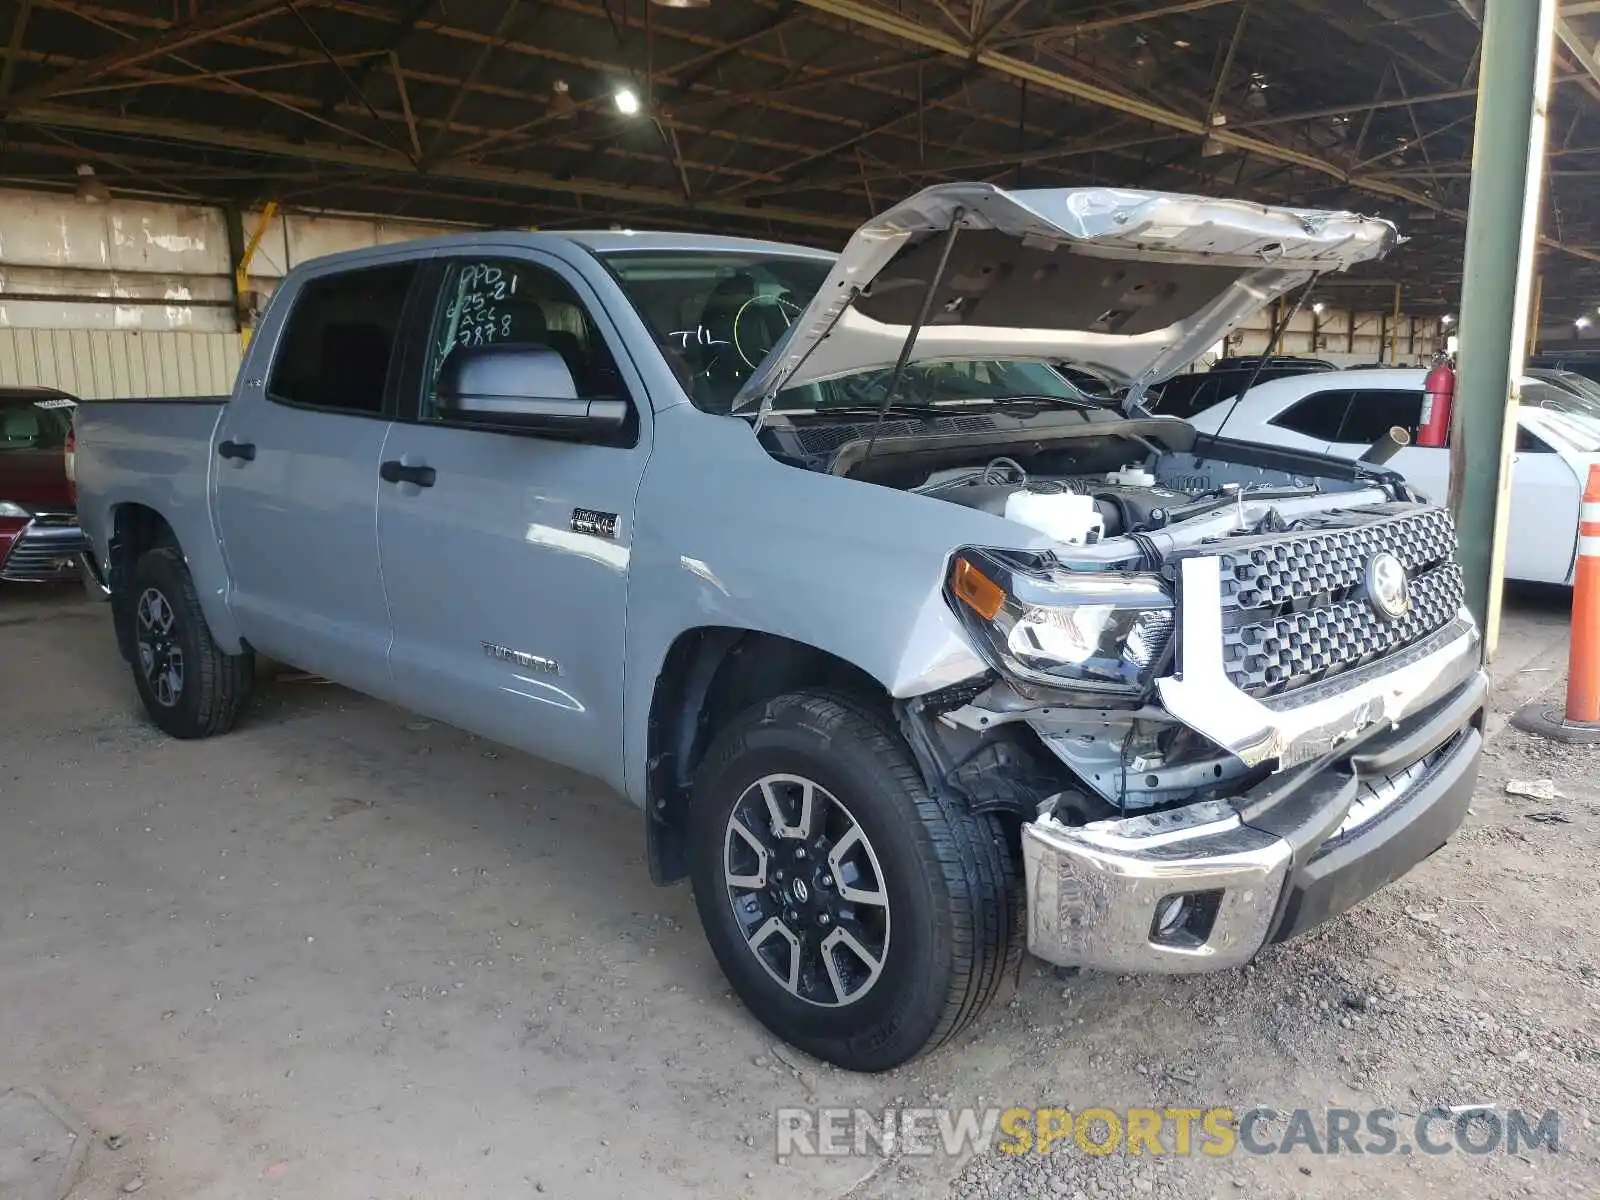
160, 656
807, 890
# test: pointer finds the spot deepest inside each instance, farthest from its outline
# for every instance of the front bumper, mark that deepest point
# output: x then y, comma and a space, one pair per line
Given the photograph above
45, 550
1205, 887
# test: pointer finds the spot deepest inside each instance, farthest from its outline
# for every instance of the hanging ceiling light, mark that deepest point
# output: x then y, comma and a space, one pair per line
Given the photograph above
91, 189
1144, 63
1256, 96
682, 3
561, 101
627, 101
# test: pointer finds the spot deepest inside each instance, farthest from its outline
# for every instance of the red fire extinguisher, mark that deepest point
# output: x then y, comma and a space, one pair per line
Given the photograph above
1439, 398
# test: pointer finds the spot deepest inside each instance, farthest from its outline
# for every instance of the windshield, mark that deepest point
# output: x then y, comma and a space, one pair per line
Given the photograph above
950, 383
1571, 381
1574, 419
717, 314
1547, 397
34, 425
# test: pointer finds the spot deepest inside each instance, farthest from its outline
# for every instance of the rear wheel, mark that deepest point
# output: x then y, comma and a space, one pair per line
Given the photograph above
190, 687
858, 917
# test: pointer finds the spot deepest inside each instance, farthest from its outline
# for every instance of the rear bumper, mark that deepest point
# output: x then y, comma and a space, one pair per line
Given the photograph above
1205, 887
45, 550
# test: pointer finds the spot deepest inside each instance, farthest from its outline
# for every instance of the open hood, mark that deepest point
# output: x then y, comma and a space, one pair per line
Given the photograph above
1132, 285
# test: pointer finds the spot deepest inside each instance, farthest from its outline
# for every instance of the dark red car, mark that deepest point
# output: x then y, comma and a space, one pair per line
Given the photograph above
39, 536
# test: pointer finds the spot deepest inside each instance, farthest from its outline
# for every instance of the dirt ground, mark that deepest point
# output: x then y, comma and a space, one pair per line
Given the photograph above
346, 953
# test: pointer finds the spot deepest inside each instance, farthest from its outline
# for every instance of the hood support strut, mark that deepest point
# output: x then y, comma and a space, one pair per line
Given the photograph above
893, 390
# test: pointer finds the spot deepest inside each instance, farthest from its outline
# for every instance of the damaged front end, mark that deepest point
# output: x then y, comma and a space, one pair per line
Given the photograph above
1220, 745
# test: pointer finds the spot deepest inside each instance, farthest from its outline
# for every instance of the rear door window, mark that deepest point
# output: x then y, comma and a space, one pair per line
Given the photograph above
338, 346
1319, 415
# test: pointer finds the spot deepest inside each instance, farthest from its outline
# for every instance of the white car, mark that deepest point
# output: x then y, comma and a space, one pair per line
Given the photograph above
1344, 412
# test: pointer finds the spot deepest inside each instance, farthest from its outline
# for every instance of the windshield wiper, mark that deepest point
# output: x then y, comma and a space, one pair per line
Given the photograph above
918, 412
933, 409
1029, 402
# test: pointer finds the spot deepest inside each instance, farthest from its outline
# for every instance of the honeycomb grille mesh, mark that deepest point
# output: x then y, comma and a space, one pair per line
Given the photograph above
1311, 565
1295, 612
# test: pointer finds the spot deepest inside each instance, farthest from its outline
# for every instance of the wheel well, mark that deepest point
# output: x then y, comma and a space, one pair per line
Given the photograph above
135, 528
709, 676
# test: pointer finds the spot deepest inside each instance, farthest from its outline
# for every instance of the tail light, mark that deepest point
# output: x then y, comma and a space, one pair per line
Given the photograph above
71, 458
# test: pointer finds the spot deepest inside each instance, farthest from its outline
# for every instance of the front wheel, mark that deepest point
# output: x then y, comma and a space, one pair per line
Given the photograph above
190, 687
858, 917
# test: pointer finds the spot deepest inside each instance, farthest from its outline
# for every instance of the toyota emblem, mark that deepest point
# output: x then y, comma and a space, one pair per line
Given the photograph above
1387, 586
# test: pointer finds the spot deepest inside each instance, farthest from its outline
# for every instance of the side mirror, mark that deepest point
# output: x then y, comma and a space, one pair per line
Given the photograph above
527, 388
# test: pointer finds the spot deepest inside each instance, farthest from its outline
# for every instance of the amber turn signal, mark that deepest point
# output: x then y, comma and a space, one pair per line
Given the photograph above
976, 590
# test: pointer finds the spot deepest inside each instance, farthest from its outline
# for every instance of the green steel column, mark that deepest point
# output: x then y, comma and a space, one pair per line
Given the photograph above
1502, 219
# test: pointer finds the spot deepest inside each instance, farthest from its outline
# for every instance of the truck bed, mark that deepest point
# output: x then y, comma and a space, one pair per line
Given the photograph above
156, 453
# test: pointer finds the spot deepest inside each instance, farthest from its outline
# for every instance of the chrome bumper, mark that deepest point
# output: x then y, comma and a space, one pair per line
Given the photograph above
1094, 892
1099, 895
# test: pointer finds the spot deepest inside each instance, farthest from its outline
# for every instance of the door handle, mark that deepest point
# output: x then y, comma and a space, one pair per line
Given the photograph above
395, 471
243, 451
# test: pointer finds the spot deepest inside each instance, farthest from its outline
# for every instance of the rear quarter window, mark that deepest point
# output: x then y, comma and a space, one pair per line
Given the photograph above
1319, 415
1373, 412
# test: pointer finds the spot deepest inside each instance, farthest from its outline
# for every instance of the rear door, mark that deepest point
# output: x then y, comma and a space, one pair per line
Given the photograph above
296, 477
1371, 414
1544, 490
507, 570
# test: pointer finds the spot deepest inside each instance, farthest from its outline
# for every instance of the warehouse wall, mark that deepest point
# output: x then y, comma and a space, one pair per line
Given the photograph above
128, 298
1348, 339
118, 364
131, 298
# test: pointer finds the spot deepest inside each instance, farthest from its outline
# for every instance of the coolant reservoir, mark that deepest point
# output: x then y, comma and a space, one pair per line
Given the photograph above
1059, 515
1134, 476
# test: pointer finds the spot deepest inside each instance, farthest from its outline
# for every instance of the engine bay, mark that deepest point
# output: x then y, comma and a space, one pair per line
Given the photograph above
1075, 509
1129, 494
1082, 478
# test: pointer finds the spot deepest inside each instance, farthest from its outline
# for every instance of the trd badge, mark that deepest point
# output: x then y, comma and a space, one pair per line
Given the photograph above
594, 523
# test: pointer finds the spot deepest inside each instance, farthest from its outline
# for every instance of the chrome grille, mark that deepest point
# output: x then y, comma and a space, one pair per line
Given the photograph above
45, 552
1293, 608
1285, 569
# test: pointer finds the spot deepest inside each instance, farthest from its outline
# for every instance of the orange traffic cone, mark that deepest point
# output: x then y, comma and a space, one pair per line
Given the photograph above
1583, 665
1581, 720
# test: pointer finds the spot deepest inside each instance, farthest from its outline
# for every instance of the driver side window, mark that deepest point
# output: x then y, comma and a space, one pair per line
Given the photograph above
493, 302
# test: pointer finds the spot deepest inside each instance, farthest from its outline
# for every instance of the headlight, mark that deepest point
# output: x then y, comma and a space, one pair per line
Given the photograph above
8, 509
1042, 624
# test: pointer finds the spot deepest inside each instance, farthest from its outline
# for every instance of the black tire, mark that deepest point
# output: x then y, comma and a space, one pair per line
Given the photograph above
212, 687
952, 939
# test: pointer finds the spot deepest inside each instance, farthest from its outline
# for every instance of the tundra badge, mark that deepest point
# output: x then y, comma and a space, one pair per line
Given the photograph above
534, 662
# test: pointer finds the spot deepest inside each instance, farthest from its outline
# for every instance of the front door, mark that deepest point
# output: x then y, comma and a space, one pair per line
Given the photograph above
296, 476
505, 556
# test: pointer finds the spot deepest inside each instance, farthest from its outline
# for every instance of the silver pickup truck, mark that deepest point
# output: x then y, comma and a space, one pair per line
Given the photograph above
911, 653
